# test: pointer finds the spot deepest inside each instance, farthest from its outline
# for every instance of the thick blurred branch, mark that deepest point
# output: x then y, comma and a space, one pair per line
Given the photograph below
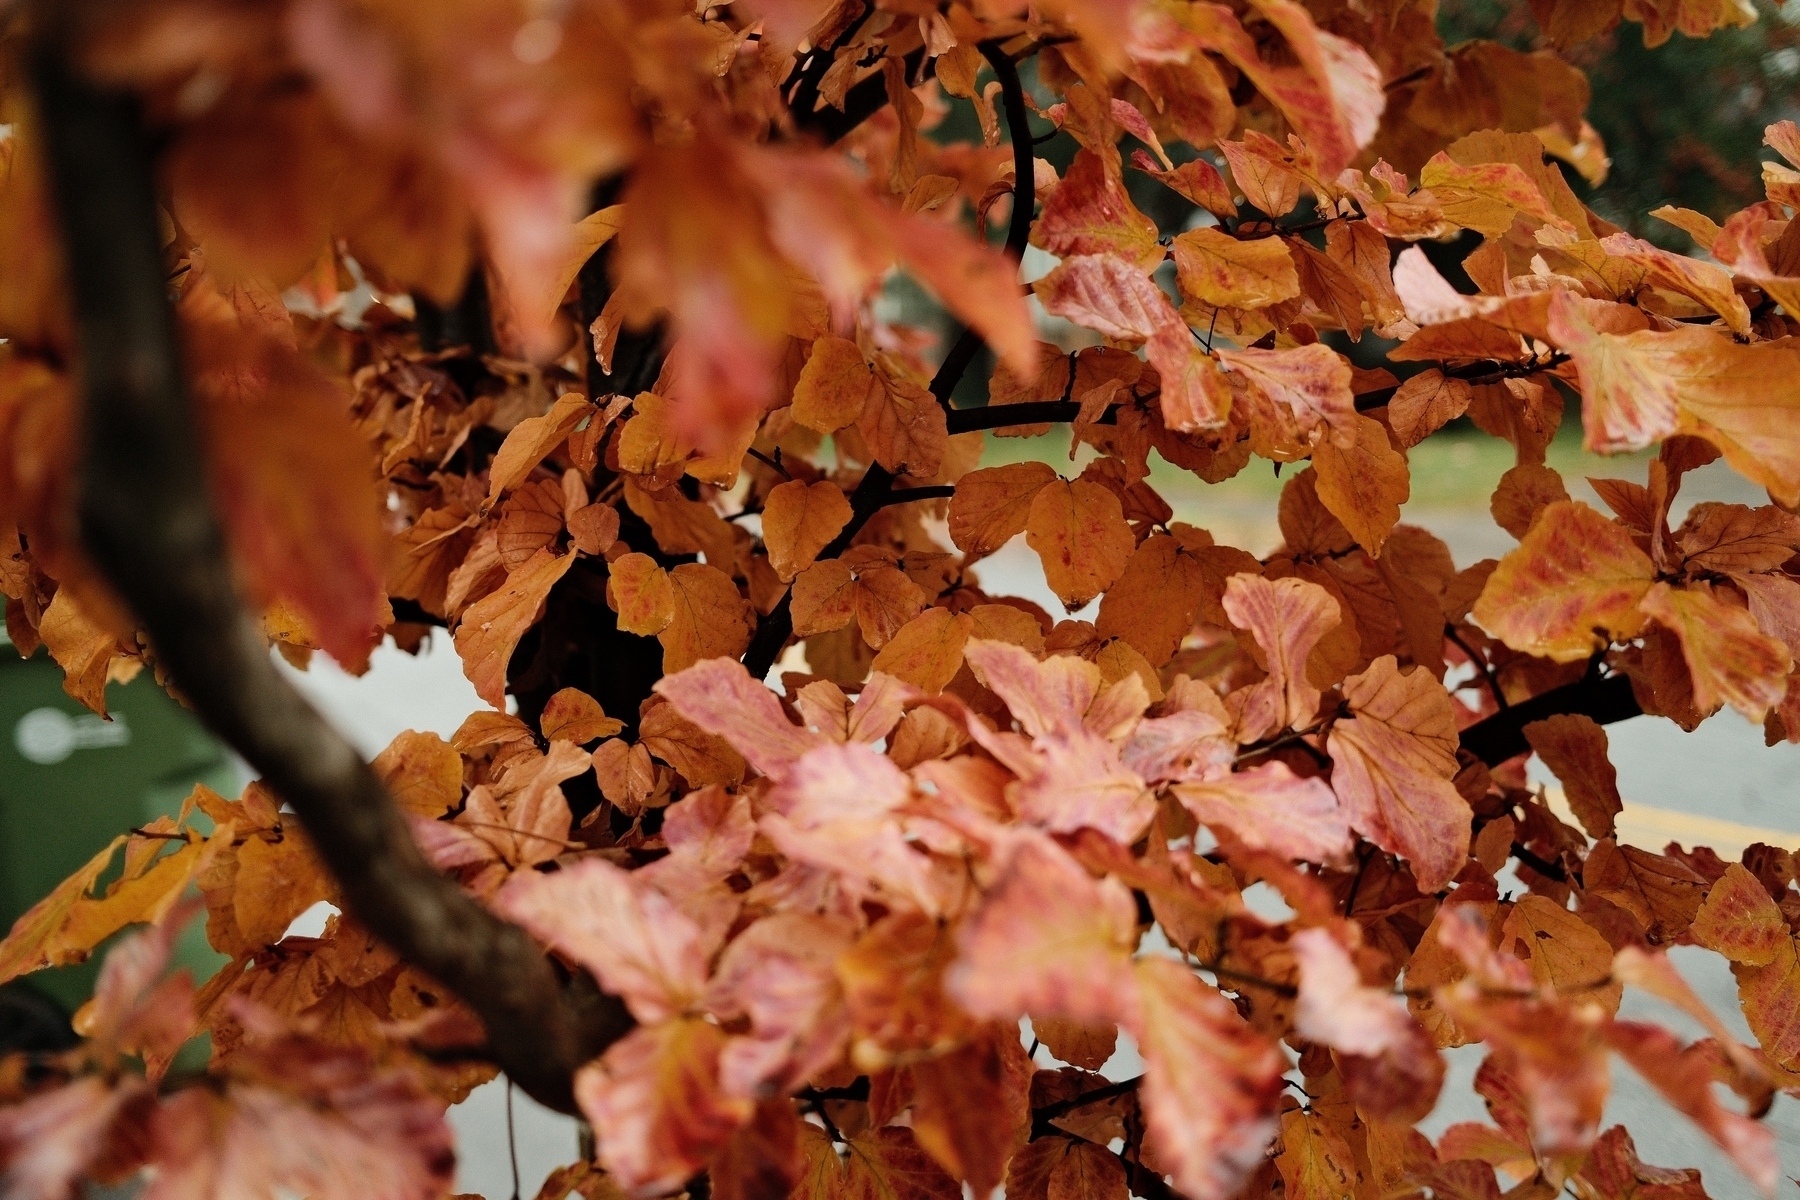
147, 523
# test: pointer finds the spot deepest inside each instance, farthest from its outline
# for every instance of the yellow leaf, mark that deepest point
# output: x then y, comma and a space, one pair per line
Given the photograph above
1228, 272
1574, 573
927, 651
641, 591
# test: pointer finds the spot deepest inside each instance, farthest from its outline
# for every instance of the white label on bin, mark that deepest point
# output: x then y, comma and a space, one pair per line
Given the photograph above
49, 735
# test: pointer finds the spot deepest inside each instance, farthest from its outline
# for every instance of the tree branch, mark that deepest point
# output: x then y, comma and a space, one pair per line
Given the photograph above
147, 523
1605, 698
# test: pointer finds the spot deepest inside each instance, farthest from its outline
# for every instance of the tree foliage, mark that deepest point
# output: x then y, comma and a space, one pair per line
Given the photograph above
562, 328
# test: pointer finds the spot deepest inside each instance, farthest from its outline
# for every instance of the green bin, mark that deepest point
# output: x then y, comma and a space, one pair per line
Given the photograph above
70, 782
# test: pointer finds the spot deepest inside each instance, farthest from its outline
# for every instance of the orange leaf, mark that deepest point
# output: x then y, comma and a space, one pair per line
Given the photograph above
641, 591
1574, 573
530, 440
573, 715
1107, 295
711, 617
1227, 272
799, 521
1729, 659
834, 386
422, 772
1740, 921
1295, 394
1364, 484
1573, 746
1270, 808
991, 506
493, 625
1079, 533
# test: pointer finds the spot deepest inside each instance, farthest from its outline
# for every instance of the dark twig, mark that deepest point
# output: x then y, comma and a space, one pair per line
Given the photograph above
147, 523
938, 491
1482, 667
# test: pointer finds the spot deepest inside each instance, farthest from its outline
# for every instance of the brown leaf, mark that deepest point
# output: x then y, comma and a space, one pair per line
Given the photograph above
1223, 271
1573, 746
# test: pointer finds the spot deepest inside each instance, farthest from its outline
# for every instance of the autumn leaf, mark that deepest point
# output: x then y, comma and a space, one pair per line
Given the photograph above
1365, 484
1211, 1083
655, 1103
1573, 746
1079, 533
573, 715
1389, 1066
1729, 659
1223, 271
1575, 581
1107, 295
799, 521
991, 506
1287, 617
632, 937
493, 625
1047, 938
1269, 808
1393, 763
1296, 394
422, 772
834, 386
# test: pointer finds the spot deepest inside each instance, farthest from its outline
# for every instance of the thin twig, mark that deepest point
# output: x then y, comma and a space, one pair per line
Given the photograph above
1481, 665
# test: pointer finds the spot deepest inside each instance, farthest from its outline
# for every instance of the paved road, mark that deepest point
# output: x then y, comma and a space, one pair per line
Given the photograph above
1721, 771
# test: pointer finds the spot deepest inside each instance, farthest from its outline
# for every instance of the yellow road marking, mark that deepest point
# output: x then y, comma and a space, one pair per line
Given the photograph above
1653, 828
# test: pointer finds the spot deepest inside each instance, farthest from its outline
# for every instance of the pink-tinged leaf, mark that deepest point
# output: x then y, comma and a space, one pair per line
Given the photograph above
1685, 1078
1613, 1171
1553, 1050
1190, 745
636, 942
1629, 394
719, 696
1196, 395
1045, 697
1211, 1083
1047, 939
1107, 295
1079, 782
1298, 393
1427, 296
1270, 808
319, 1122
1740, 921
1654, 973
838, 809
1329, 89
1390, 1067
1287, 617
49, 1141
781, 974
657, 1106
1393, 763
